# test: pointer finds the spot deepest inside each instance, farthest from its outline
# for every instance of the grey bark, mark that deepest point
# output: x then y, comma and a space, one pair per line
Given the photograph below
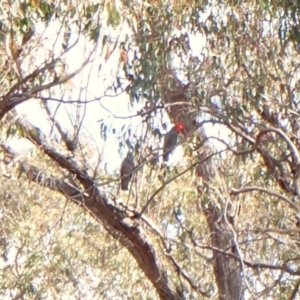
127, 230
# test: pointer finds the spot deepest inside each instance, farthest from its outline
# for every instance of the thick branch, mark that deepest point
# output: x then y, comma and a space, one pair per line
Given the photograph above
127, 231
269, 192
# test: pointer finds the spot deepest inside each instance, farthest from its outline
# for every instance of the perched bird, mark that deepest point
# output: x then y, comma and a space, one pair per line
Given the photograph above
127, 168
171, 140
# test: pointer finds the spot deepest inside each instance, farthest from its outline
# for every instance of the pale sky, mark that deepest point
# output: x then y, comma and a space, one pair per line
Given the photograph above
96, 82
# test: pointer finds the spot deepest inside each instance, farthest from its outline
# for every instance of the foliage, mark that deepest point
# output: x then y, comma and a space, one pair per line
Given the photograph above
228, 71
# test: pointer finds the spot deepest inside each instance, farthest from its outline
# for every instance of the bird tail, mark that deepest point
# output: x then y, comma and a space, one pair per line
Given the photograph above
124, 186
166, 157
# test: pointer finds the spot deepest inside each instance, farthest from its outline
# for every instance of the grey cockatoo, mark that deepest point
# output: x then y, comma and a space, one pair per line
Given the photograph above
171, 140
127, 168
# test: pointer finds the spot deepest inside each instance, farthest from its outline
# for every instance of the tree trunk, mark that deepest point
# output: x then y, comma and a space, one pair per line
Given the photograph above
227, 271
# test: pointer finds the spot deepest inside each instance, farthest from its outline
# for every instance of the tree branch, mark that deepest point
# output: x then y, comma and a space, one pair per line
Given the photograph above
127, 231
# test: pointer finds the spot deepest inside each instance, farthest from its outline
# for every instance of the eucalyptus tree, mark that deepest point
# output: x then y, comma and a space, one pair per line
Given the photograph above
222, 222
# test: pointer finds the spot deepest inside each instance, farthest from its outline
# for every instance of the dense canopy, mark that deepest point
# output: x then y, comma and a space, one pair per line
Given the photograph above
83, 83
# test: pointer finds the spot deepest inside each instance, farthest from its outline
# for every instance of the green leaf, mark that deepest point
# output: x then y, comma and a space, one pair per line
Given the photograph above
113, 15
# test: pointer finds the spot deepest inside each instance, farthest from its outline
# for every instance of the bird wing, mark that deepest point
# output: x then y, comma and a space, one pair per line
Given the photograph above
170, 141
126, 167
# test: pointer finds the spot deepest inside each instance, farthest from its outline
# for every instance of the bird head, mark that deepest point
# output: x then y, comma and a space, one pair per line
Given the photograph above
179, 127
129, 155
